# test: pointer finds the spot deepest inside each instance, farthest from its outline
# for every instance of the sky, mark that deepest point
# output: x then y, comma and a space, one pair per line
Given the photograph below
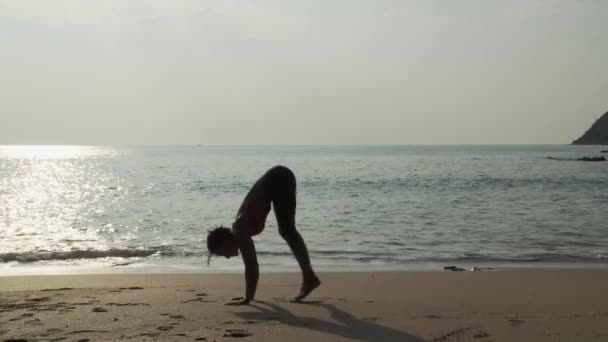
218, 72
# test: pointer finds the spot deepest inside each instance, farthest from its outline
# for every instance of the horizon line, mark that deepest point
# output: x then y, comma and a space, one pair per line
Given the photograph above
293, 145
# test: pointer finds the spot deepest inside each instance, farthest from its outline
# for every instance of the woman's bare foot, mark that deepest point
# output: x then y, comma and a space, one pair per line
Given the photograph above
308, 285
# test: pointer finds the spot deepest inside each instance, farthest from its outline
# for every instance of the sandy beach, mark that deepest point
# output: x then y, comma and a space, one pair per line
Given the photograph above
507, 305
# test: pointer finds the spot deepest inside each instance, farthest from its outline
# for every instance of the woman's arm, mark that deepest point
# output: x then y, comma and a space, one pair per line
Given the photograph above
250, 259
251, 268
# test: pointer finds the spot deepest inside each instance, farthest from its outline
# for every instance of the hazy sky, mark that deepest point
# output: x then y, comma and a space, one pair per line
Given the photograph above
301, 72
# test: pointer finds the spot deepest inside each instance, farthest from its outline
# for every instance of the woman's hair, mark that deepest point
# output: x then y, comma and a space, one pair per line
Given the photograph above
216, 238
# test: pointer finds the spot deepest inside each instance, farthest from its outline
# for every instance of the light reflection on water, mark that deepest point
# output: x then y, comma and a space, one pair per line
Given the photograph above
49, 196
54, 151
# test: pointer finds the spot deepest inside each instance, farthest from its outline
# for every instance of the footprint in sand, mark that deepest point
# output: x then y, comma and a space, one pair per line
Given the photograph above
200, 339
38, 300
201, 294
237, 333
127, 304
23, 316
54, 290
450, 335
34, 321
86, 303
432, 316
197, 300
99, 310
87, 331
516, 322
481, 334
177, 317
164, 328
461, 334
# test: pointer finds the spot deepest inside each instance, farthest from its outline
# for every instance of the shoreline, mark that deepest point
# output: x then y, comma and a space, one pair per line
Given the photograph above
508, 305
8, 270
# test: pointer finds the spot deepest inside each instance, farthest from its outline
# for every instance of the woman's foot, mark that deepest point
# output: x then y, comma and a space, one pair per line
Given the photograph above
308, 285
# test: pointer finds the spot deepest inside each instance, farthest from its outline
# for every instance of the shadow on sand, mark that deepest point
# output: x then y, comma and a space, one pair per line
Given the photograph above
348, 326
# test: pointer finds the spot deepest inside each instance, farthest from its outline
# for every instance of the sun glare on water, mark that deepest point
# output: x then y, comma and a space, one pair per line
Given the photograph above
52, 194
49, 151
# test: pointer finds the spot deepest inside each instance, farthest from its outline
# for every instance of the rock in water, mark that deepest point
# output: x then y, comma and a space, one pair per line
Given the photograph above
597, 134
593, 159
453, 269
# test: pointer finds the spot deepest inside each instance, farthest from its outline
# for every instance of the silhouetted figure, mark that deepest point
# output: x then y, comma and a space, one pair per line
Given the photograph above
277, 187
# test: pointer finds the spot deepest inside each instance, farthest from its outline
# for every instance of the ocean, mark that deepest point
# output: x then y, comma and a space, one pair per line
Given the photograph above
95, 209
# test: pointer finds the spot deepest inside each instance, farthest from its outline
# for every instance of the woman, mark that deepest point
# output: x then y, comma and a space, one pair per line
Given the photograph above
276, 186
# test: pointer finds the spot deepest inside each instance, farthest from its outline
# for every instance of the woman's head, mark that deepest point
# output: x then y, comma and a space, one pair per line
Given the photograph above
221, 241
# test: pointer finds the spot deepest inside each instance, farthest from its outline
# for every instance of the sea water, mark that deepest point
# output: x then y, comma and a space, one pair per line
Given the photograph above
92, 209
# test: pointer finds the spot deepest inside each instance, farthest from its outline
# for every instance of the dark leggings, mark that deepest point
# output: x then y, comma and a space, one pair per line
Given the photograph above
280, 182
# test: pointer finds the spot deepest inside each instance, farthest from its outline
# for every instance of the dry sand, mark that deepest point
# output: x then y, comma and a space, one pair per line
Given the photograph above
509, 305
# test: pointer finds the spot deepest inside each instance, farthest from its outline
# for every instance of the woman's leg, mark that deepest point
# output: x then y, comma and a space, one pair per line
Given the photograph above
282, 183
